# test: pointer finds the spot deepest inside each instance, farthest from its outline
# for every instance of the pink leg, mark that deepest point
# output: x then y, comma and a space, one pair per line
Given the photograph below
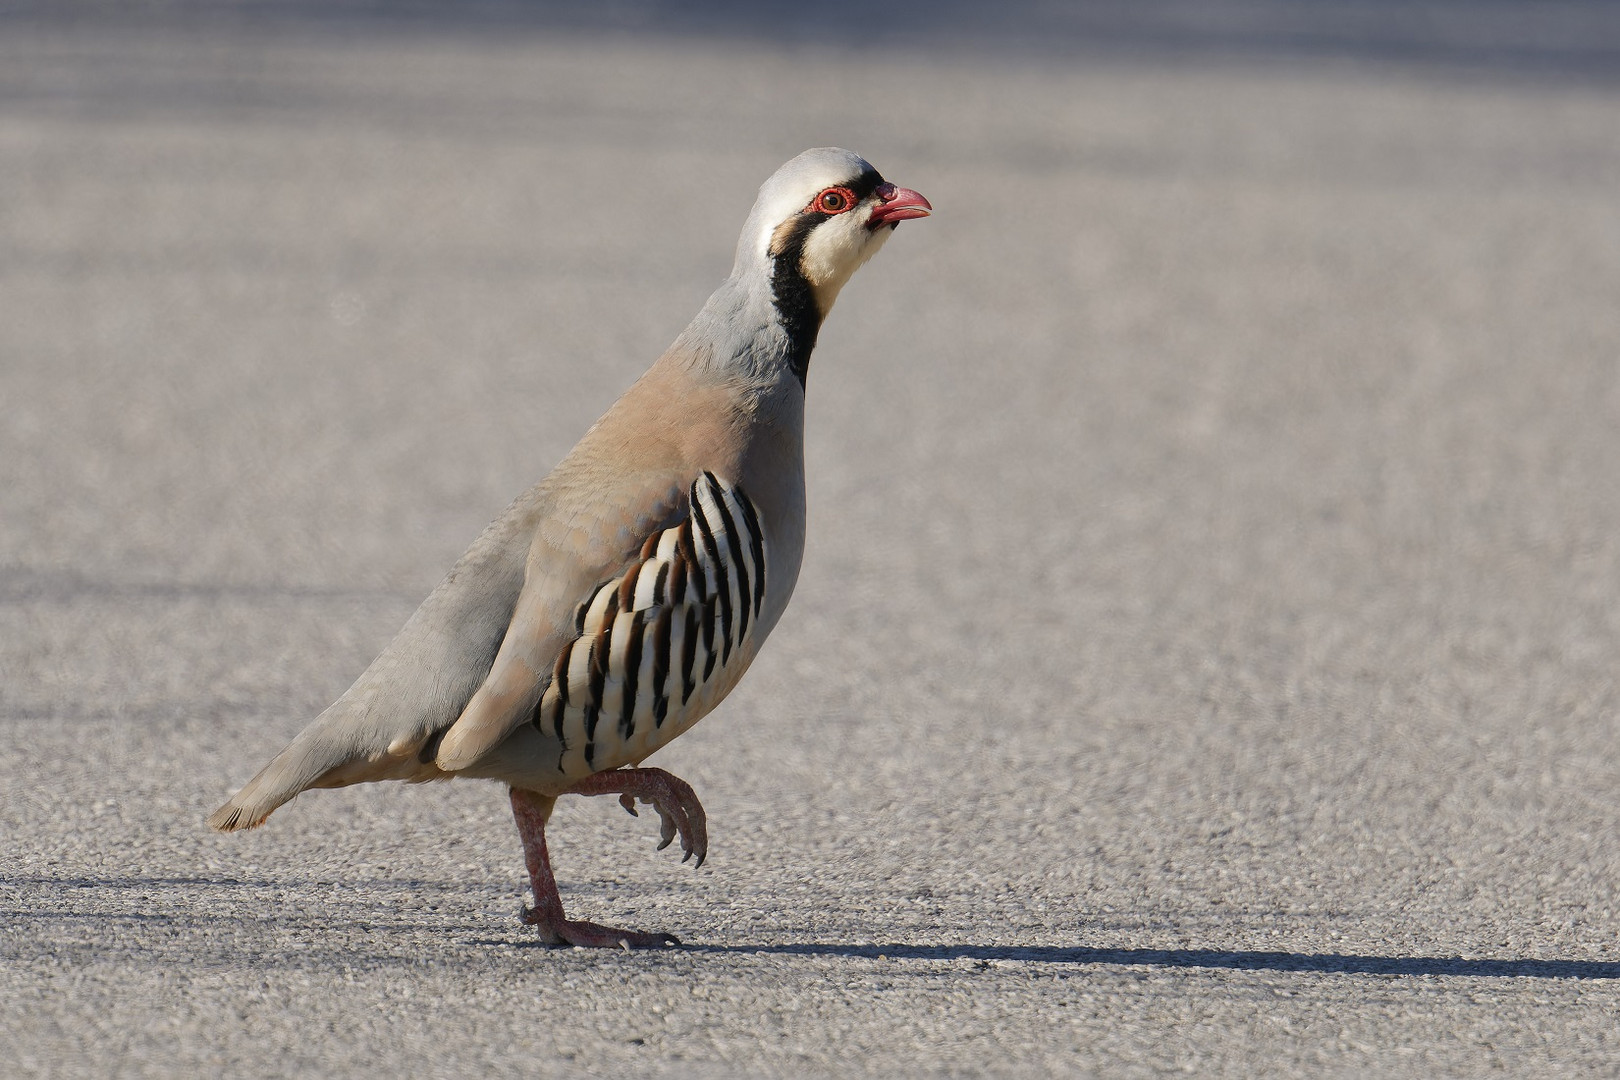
678, 807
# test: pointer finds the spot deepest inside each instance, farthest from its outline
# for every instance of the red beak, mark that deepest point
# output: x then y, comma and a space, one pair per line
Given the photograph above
896, 204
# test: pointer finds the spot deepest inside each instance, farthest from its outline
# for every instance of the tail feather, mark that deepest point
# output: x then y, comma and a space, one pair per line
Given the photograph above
228, 818
248, 808
309, 757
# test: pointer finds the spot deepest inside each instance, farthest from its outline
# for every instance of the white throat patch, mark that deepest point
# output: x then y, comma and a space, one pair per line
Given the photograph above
835, 249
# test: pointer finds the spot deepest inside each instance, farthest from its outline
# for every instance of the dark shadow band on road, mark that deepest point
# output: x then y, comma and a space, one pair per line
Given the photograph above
26, 585
16, 910
1219, 959
1570, 40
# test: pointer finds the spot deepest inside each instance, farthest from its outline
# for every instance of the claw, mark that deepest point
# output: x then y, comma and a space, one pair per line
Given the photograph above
679, 812
589, 935
666, 828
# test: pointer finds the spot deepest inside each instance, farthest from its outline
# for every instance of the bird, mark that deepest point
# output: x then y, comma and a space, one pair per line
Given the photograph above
616, 602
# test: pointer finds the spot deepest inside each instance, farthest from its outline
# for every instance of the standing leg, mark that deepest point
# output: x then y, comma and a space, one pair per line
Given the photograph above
531, 812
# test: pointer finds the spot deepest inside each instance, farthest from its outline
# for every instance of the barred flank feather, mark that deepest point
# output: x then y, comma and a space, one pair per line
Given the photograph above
641, 654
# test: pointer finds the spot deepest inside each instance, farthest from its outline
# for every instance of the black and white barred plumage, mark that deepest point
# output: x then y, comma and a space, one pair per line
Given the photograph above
659, 635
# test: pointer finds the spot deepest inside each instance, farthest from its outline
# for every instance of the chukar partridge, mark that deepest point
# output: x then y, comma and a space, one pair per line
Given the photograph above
621, 598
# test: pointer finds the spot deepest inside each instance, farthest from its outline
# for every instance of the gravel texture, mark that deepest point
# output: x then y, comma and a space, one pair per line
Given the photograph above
1205, 656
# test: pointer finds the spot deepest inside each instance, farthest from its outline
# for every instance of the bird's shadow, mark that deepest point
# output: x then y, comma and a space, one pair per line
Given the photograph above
1217, 959
1072, 955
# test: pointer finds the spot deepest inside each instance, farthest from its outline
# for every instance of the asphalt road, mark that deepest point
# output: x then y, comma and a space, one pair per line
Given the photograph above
1205, 657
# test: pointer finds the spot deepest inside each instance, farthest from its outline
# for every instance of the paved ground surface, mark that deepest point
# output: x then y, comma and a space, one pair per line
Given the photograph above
1205, 658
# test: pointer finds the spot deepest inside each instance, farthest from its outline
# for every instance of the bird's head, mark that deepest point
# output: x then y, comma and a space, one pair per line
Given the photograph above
817, 219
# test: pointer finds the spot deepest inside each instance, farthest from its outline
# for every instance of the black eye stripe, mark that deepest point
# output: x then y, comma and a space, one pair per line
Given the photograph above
864, 184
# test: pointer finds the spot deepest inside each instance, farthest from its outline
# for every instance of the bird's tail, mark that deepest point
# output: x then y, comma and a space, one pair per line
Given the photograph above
308, 758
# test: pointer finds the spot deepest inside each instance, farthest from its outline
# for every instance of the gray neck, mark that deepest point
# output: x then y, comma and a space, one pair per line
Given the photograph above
740, 335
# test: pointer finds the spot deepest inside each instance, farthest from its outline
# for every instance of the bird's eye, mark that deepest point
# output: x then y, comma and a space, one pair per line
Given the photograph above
834, 201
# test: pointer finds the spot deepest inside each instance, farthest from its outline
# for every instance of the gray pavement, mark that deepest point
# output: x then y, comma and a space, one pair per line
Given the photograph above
1205, 658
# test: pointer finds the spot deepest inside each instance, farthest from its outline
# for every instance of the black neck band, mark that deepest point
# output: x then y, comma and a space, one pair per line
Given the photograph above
795, 299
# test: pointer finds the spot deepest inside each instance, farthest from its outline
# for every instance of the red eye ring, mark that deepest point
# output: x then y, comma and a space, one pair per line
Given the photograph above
834, 200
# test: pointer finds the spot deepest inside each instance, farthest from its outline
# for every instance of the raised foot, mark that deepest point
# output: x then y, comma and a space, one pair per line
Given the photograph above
589, 935
677, 804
